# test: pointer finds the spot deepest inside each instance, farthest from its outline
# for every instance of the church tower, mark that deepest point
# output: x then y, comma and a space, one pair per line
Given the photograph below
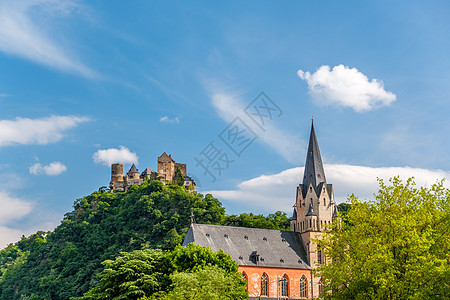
314, 207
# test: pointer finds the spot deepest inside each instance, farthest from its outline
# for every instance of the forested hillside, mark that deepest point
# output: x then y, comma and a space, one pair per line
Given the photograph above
64, 263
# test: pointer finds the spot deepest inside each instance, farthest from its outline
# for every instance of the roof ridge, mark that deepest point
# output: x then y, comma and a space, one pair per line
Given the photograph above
196, 224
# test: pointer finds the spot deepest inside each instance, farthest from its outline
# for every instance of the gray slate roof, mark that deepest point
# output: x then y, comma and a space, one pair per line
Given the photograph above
251, 246
148, 171
133, 169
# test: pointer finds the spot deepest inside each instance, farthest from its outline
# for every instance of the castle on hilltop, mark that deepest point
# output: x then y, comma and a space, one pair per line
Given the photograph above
167, 172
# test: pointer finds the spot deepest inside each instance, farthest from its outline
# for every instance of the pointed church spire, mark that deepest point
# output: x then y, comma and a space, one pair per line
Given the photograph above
314, 172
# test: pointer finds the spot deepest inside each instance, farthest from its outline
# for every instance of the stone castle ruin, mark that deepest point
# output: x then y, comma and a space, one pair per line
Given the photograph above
167, 169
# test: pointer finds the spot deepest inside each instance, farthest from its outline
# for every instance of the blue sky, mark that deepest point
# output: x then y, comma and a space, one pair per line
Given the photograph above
135, 79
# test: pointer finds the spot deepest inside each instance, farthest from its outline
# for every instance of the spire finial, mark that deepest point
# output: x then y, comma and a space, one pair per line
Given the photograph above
192, 218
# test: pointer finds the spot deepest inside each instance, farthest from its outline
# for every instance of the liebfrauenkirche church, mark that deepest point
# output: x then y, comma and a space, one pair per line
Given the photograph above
278, 264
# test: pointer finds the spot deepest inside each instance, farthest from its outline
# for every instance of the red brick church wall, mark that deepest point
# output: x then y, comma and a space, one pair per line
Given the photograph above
254, 274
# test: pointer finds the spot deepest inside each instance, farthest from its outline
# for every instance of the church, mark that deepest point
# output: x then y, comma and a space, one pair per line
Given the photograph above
278, 264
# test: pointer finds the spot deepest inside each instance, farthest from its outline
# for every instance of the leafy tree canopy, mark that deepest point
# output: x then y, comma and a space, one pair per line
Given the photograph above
278, 220
396, 247
182, 273
179, 178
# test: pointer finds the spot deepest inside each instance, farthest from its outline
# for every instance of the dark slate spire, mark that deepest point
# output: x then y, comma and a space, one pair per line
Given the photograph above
133, 169
294, 215
311, 210
314, 172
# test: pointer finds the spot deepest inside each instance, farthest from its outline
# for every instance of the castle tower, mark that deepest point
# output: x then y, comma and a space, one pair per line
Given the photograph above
116, 177
315, 207
132, 177
133, 173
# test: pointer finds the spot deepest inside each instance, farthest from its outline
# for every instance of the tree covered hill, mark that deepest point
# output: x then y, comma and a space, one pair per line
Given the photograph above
64, 263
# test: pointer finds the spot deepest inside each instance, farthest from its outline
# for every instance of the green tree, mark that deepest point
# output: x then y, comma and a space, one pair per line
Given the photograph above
210, 283
179, 178
130, 276
278, 220
191, 271
395, 247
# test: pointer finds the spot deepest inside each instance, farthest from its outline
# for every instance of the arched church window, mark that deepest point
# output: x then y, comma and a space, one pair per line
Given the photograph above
244, 277
284, 286
264, 285
310, 223
303, 287
321, 286
324, 201
321, 224
310, 189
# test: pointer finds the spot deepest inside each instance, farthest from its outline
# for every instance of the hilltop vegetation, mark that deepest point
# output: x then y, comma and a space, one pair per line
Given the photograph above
64, 263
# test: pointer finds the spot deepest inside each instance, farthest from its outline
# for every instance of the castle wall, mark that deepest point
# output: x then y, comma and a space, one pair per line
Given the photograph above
182, 168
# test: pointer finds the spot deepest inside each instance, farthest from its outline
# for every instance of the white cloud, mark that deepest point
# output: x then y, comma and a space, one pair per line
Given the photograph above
111, 155
348, 87
22, 33
54, 168
277, 191
12, 208
166, 119
36, 131
229, 106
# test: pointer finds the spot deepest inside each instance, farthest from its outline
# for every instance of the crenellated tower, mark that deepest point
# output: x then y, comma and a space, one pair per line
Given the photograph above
314, 207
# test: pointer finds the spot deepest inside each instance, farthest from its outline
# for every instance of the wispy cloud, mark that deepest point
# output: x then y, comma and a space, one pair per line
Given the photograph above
13, 208
22, 34
277, 191
52, 169
112, 155
36, 131
347, 87
166, 119
230, 105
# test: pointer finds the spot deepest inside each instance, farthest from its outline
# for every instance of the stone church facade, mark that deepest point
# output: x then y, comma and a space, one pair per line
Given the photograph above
278, 264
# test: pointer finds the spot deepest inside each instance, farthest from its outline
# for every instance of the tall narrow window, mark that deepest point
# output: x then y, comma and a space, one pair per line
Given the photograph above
264, 285
321, 286
303, 287
319, 256
284, 286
